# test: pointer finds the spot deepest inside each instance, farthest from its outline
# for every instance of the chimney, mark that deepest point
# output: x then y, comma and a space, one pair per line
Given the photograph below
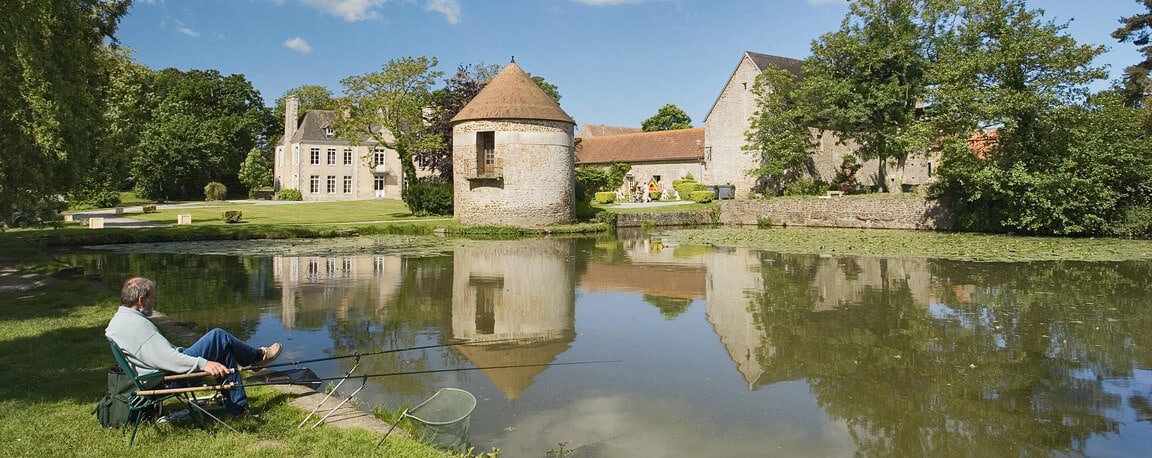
291, 117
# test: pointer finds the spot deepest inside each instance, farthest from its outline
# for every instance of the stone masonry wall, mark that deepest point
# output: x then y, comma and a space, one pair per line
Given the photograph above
881, 212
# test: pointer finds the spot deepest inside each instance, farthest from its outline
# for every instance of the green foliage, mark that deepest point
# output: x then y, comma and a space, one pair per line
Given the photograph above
702, 197
94, 198
805, 186
289, 195
215, 191
231, 216
53, 77
430, 195
686, 186
670, 307
763, 222
458, 90
605, 197
606, 217
668, 117
778, 137
256, 171
845, 179
387, 107
550, 89
1137, 29
309, 97
202, 125
1136, 222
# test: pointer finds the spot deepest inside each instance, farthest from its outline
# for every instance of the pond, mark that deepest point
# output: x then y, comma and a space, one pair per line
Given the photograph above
721, 351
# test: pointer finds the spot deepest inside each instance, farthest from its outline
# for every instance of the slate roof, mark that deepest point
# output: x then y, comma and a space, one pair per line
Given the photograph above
763, 61
312, 127
592, 130
512, 95
666, 145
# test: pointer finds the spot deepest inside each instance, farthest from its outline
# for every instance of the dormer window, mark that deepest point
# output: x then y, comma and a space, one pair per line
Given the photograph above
329, 131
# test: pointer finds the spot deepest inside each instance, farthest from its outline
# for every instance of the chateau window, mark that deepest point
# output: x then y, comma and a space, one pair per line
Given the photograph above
329, 131
485, 153
314, 156
331, 184
331, 156
347, 156
378, 156
314, 184
378, 184
347, 184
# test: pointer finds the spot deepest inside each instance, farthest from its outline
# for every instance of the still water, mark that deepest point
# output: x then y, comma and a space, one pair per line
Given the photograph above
723, 351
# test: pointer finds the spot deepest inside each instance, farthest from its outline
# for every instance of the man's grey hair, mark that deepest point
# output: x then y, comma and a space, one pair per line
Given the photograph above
136, 288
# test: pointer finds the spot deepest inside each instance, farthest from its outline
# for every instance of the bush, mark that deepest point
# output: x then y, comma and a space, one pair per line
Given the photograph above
606, 217
585, 210
702, 197
1135, 223
99, 198
215, 191
687, 186
654, 195
805, 186
763, 222
148, 208
231, 216
429, 196
289, 195
605, 197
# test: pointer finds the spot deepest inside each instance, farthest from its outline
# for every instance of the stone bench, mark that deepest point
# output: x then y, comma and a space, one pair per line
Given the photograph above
831, 194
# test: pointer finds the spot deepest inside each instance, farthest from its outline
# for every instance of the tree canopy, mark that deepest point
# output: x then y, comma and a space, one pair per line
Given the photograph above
668, 117
1137, 29
53, 80
387, 107
458, 90
201, 126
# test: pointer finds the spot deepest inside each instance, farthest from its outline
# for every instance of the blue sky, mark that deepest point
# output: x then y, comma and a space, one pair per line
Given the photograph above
615, 61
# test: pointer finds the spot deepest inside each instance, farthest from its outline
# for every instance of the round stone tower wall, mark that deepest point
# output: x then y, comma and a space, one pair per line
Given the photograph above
532, 182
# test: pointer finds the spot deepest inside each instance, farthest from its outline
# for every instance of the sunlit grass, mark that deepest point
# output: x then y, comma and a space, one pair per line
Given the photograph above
349, 212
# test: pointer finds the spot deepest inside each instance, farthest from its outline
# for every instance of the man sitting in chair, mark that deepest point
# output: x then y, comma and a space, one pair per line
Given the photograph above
217, 353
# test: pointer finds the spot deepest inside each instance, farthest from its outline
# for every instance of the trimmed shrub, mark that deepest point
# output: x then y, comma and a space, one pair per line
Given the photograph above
429, 196
231, 216
685, 187
289, 195
215, 191
654, 195
95, 198
148, 208
702, 197
605, 197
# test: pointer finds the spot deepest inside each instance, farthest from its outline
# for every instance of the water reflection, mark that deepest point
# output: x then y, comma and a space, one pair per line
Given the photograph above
728, 352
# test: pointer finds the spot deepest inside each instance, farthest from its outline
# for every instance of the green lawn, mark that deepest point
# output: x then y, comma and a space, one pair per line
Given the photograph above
360, 211
56, 359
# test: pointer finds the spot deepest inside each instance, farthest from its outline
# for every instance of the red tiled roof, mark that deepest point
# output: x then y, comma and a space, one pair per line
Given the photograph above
666, 145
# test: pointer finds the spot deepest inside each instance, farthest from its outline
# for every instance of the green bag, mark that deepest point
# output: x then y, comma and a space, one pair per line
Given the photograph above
112, 410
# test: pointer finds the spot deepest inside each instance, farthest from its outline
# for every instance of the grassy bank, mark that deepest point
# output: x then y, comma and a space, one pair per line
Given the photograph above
56, 358
894, 243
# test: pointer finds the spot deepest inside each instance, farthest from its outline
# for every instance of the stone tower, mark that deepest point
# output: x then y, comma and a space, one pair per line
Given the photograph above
512, 155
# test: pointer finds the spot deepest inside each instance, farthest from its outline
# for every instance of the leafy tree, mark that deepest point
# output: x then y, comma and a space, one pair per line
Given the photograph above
310, 97
458, 90
868, 78
1138, 30
1003, 67
53, 81
779, 134
202, 125
256, 171
668, 117
387, 107
548, 88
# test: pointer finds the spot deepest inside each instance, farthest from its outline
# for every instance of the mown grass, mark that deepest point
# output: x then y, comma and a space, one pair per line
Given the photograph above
895, 243
56, 361
299, 213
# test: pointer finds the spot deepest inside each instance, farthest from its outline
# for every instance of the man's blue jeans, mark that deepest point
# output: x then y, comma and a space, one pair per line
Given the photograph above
220, 346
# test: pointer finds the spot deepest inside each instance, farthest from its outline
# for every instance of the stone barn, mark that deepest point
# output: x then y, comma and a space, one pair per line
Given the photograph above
512, 155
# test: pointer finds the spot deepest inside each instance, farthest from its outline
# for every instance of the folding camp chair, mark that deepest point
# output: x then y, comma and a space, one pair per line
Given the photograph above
151, 390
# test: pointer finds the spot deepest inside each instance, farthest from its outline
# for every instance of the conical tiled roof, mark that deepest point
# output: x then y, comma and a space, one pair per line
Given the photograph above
512, 95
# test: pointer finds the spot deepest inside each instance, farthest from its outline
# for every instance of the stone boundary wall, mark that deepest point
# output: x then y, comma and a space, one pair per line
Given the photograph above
692, 218
881, 212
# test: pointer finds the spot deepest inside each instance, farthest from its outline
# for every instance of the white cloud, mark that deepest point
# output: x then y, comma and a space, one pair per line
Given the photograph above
187, 30
299, 45
350, 10
449, 8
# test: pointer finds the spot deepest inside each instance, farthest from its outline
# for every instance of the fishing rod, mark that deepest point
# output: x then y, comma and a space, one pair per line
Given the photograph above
317, 381
394, 350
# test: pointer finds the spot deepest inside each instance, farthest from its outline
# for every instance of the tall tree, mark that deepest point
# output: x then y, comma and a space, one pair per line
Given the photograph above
53, 80
1138, 30
668, 117
1004, 67
387, 107
458, 90
779, 136
867, 80
256, 171
201, 127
